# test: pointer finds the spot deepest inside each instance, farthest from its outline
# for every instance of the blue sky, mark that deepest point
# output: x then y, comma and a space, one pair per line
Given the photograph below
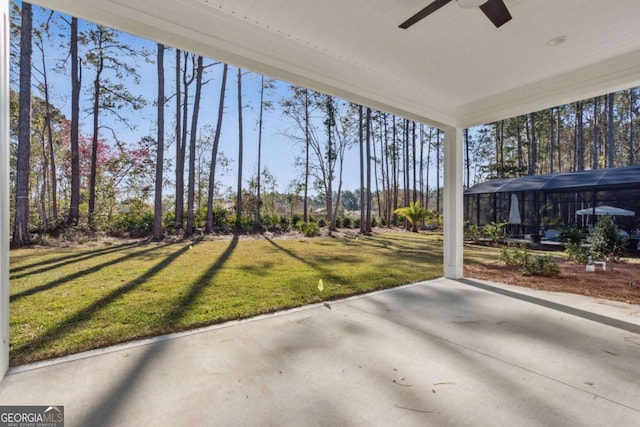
278, 153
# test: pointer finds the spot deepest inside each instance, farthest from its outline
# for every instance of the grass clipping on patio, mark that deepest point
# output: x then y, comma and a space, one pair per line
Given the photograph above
67, 300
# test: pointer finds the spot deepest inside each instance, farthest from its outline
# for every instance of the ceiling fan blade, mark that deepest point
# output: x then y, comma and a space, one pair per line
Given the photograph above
497, 12
432, 7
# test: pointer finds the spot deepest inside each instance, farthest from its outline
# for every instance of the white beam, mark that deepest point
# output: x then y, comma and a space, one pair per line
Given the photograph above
453, 210
4, 187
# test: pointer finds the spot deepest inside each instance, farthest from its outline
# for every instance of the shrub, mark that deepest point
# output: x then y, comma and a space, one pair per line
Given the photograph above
356, 223
540, 265
513, 255
321, 223
346, 222
271, 222
246, 223
285, 224
473, 232
606, 241
309, 229
135, 224
221, 217
530, 265
495, 231
574, 238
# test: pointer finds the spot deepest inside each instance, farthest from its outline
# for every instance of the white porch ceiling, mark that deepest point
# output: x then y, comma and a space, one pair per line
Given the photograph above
453, 68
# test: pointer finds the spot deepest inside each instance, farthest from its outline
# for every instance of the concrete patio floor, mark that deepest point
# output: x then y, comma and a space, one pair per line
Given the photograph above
439, 353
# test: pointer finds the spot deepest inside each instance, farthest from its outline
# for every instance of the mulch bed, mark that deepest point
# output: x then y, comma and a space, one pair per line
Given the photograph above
620, 282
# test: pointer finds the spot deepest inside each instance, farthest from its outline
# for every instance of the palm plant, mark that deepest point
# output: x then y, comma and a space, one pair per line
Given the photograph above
414, 213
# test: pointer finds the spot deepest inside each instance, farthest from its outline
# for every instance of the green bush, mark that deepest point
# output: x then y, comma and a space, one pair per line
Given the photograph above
309, 229
244, 223
576, 252
346, 222
513, 255
574, 239
356, 223
168, 220
135, 224
540, 265
321, 223
495, 231
221, 217
530, 265
606, 241
473, 232
285, 224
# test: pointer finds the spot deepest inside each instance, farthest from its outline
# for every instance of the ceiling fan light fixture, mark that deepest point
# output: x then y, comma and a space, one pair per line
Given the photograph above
470, 4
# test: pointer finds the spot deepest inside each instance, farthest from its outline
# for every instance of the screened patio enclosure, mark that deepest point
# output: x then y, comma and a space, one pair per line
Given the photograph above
552, 201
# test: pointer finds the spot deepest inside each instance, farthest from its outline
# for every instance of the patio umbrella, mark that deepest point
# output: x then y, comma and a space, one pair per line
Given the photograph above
605, 210
514, 211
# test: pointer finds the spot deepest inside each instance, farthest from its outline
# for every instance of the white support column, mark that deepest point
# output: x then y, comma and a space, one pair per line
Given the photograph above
453, 209
4, 187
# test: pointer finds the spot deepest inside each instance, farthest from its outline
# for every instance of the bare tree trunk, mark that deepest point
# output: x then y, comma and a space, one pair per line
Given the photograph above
375, 172
363, 217
426, 204
94, 140
610, 131
500, 147
596, 135
558, 131
158, 235
240, 151
413, 162
631, 133
49, 161
396, 169
179, 158
438, 172
551, 141
21, 220
533, 160
406, 161
305, 214
181, 114
368, 162
260, 146
74, 205
388, 178
190, 229
214, 151
382, 207
579, 137
520, 151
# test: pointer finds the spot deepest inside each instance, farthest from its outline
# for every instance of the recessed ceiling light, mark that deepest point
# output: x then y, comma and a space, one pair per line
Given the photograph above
556, 41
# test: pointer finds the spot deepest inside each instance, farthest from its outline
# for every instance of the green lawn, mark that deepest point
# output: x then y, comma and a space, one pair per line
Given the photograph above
66, 300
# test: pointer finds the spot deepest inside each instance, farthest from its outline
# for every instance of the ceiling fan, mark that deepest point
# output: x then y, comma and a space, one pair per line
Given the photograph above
495, 10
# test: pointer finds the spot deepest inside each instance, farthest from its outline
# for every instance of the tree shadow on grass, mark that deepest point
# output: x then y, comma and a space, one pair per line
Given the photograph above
391, 243
77, 320
66, 260
78, 274
317, 266
106, 410
187, 301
